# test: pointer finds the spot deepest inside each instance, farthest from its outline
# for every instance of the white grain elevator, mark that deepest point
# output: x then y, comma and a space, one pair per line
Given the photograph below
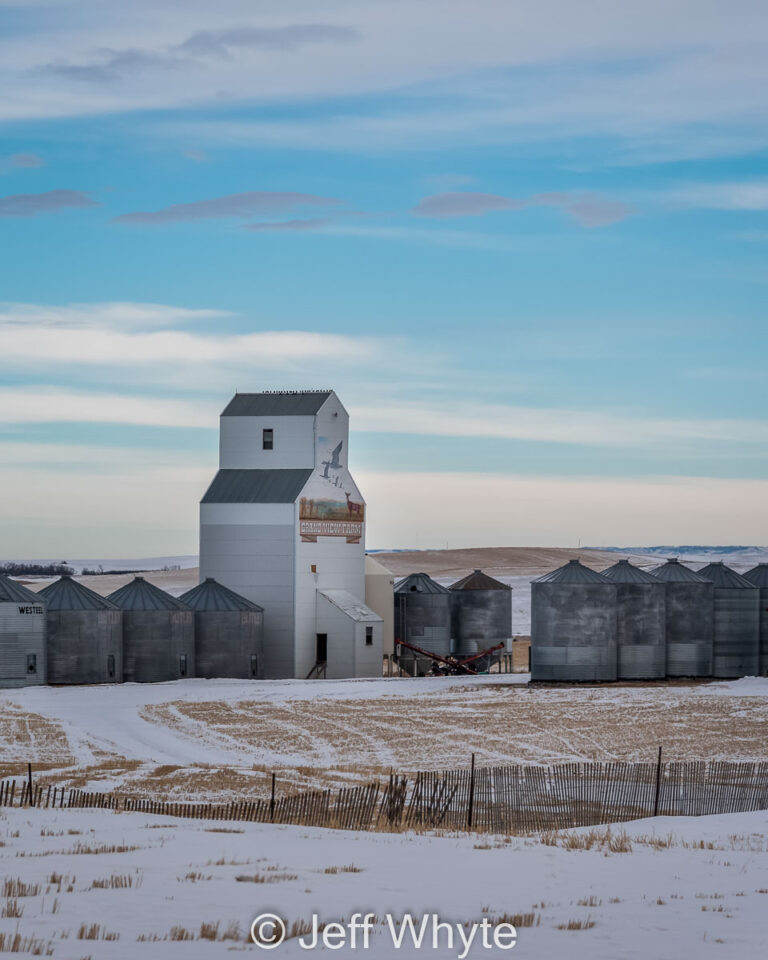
283, 524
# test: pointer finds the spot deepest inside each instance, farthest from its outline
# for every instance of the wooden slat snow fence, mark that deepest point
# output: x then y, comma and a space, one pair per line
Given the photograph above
511, 799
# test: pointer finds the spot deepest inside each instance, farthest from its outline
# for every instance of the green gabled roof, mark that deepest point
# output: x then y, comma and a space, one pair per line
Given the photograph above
289, 403
257, 486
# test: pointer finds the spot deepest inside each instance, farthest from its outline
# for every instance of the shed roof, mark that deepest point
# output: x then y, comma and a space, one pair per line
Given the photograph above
68, 594
724, 577
626, 572
257, 486
283, 403
477, 580
572, 572
349, 604
758, 575
674, 572
13, 592
140, 594
211, 596
419, 583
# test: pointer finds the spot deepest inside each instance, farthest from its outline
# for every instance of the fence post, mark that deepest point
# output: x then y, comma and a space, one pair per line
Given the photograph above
658, 785
272, 801
471, 802
29, 778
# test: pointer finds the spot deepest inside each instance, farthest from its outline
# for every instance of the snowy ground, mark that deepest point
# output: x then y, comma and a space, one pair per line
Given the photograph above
218, 738
680, 888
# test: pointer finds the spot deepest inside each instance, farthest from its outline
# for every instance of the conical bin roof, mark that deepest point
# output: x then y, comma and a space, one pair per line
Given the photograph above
68, 594
758, 576
477, 580
674, 572
419, 583
211, 596
626, 572
140, 594
13, 592
724, 577
572, 572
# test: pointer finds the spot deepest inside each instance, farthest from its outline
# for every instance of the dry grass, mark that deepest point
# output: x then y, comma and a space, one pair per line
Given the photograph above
209, 930
16, 943
349, 868
14, 887
94, 931
518, 920
603, 839
577, 924
12, 910
117, 881
265, 877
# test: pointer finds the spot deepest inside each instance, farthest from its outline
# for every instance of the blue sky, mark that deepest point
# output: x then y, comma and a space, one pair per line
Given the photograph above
525, 242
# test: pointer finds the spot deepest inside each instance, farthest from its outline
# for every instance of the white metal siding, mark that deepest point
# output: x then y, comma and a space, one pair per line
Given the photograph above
240, 443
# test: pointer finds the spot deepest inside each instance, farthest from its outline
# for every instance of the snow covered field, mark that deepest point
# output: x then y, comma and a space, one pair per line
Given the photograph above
93, 884
215, 739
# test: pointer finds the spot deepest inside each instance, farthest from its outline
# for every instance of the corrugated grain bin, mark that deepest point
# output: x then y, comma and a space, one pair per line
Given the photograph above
642, 622
158, 633
690, 620
22, 636
85, 634
736, 643
229, 632
423, 614
573, 625
758, 576
481, 613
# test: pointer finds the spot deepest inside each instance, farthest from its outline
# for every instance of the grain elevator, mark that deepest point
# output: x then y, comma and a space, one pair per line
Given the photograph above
283, 524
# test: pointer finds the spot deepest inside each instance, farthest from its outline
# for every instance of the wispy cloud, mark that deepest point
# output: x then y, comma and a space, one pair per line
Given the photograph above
736, 195
26, 161
108, 65
589, 211
569, 426
288, 225
234, 205
33, 204
224, 42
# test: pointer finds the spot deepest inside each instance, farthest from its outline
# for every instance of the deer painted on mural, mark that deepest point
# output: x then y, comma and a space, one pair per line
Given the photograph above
352, 507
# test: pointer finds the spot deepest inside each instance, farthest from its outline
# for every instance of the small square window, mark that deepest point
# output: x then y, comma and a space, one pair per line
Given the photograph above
369, 636
268, 439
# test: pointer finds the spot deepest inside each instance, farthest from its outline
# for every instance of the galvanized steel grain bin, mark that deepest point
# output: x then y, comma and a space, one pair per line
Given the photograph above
22, 636
423, 615
642, 622
758, 576
573, 625
690, 620
229, 632
481, 613
736, 644
84, 634
158, 633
